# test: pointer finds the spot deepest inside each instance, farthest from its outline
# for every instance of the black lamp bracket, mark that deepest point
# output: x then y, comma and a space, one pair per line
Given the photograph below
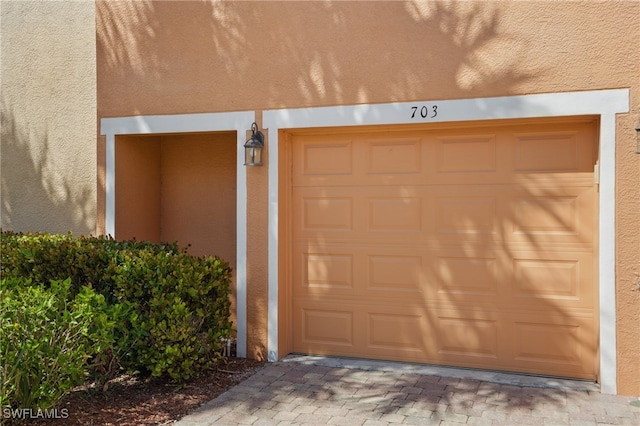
256, 134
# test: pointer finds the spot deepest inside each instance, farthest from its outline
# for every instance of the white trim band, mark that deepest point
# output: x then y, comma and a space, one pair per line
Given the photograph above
603, 103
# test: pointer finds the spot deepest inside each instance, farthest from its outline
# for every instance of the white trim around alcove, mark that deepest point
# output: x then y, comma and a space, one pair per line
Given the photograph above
240, 122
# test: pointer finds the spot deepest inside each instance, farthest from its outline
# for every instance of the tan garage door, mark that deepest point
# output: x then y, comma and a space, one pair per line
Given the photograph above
458, 246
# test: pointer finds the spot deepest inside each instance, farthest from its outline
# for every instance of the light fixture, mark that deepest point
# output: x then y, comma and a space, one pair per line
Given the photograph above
638, 138
253, 147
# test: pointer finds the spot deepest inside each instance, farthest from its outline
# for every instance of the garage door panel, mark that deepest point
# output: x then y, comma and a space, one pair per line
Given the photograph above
327, 326
426, 275
550, 215
399, 214
394, 157
466, 215
338, 160
555, 344
563, 280
358, 271
465, 339
465, 247
322, 157
331, 270
386, 217
456, 214
341, 210
390, 327
399, 272
445, 274
394, 214
327, 270
553, 215
554, 151
462, 276
376, 330
466, 153
327, 213
395, 273
395, 331
502, 156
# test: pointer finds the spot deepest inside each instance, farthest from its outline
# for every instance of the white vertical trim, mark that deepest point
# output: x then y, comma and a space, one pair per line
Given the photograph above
603, 103
110, 185
607, 255
188, 123
272, 311
241, 247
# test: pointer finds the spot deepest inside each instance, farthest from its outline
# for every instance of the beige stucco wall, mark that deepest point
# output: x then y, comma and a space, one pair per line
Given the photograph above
178, 188
48, 101
188, 57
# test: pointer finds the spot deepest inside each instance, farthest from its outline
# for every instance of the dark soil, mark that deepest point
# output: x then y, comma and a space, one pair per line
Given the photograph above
130, 401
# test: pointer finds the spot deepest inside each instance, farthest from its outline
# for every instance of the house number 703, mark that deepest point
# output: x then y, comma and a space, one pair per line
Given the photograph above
424, 111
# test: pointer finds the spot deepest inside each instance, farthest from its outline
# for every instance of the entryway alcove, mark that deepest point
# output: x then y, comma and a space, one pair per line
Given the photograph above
178, 187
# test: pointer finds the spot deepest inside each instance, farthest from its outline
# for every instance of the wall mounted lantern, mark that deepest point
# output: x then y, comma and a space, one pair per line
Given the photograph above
638, 138
253, 147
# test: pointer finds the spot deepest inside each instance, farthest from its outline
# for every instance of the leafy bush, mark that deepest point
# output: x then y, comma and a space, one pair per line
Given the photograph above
162, 311
85, 260
46, 339
182, 310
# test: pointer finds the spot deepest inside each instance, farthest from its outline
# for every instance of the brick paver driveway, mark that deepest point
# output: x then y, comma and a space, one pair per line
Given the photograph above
334, 391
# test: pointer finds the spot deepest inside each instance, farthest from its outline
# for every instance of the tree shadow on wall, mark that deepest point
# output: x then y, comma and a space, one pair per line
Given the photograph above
442, 50
222, 56
206, 56
35, 196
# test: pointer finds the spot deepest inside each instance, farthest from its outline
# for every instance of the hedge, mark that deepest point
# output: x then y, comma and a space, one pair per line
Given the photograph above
44, 341
155, 309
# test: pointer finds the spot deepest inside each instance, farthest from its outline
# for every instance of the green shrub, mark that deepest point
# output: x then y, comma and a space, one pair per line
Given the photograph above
163, 311
182, 310
46, 339
85, 260
106, 326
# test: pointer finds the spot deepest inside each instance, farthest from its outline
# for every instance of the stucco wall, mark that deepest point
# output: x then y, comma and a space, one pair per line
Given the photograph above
188, 57
199, 192
48, 102
138, 179
171, 57
178, 188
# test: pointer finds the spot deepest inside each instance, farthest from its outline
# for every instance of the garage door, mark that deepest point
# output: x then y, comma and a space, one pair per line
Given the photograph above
468, 246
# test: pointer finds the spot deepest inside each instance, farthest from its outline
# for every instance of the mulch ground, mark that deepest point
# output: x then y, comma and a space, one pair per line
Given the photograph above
130, 401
